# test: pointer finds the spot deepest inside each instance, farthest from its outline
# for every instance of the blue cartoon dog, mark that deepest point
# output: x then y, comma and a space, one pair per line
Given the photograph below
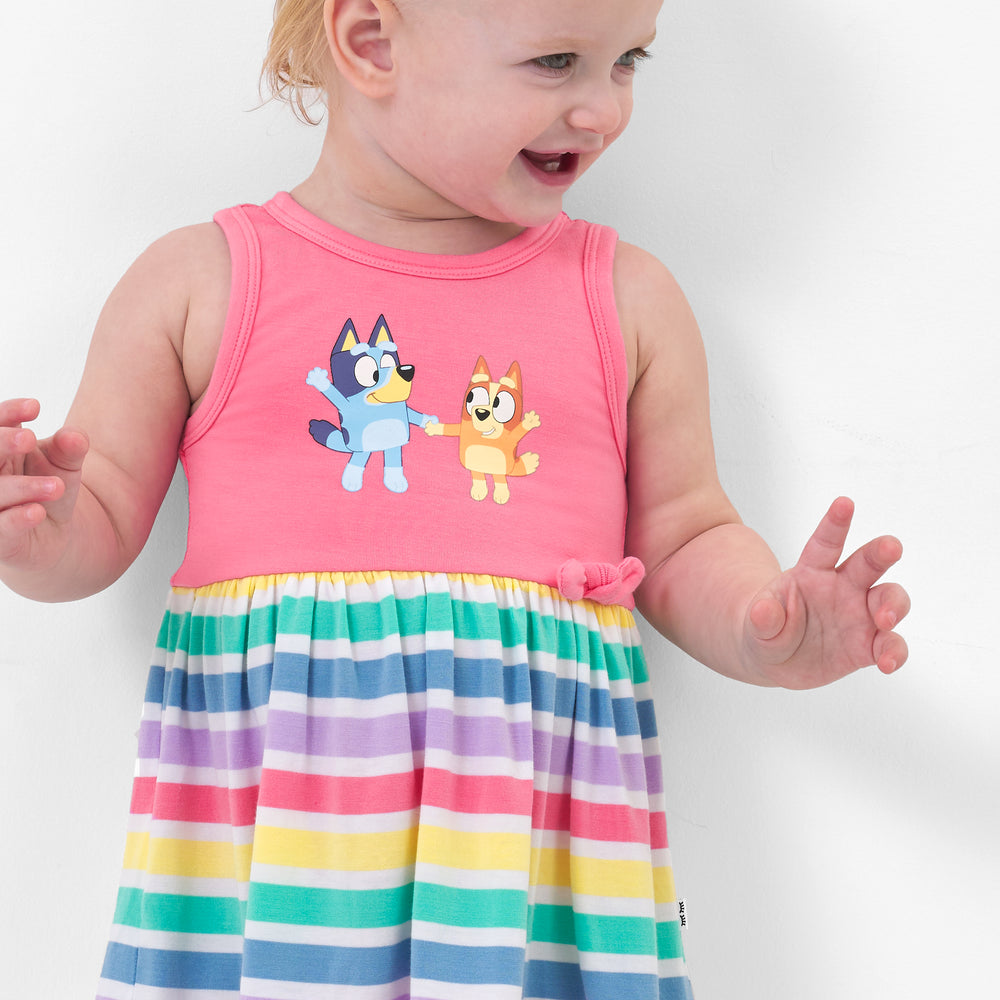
369, 388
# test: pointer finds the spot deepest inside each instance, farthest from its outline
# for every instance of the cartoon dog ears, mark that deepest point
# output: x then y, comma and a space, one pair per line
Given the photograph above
349, 338
481, 373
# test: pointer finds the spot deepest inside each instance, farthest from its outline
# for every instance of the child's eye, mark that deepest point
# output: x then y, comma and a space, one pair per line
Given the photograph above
630, 58
559, 62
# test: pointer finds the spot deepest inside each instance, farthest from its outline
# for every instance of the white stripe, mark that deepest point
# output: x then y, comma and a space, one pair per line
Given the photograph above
321, 878
397, 703
327, 937
475, 822
111, 990
462, 991
671, 968
598, 906
344, 767
183, 885
200, 833
471, 878
321, 822
592, 961
469, 937
208, 777
278, 990
218, 944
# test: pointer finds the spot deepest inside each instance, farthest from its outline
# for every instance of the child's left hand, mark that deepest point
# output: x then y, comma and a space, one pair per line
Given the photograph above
820, 621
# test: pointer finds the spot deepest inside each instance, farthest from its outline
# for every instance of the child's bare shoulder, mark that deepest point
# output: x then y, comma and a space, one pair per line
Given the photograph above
180, 285
656, 319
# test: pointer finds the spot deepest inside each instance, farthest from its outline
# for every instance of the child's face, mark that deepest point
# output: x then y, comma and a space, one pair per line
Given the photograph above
501, 104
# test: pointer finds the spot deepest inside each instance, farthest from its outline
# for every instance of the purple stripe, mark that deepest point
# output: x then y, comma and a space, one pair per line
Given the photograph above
600, 765
654, 775
235, 750
400, 733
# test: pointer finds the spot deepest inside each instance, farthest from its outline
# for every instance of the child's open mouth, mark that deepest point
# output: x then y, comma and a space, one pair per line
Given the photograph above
554, 167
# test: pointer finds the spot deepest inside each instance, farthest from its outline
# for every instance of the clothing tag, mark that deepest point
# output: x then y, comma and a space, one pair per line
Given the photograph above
682, 912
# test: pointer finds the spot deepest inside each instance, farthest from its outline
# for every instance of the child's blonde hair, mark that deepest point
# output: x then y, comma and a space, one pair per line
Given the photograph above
293, 66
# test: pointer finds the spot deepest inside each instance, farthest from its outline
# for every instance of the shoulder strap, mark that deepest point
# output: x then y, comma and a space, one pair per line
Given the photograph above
598, 263
244, 252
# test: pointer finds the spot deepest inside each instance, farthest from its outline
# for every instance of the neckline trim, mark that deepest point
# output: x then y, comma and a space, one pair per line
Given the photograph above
286, 211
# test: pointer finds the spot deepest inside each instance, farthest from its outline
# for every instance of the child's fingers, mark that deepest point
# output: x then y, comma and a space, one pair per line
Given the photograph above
16, 524
865, 567
15, 443
14, 412
888, 605
889, 651
826, 545
16, 491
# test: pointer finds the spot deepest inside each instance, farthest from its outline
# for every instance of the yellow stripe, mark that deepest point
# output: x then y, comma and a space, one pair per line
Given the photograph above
353, 852
666, 890
187, 858
591, 876
474, 851
395, 849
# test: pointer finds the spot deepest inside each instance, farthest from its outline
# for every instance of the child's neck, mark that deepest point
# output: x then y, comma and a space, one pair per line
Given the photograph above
353, 200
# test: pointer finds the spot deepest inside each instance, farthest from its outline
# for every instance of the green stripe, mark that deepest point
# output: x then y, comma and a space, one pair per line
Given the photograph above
472, 907
215, 635
593, 933
179, 914
668, 940
357, 908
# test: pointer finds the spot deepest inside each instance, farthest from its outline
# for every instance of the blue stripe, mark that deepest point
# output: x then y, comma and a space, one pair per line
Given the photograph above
646, 712
235, 691
452, 963
626, 720
557, 981
330, 966
676, 988
177, 970
119, 963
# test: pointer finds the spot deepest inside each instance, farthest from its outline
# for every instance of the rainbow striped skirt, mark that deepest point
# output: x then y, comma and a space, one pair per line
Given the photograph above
378, 786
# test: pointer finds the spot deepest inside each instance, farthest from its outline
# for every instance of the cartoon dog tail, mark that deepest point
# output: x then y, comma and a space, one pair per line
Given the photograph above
328, 435
525, 464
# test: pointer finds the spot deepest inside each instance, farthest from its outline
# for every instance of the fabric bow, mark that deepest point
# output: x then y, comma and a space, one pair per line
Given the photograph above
604, 583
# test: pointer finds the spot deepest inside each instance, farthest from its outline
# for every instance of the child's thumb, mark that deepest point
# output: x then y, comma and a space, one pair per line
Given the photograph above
67, 449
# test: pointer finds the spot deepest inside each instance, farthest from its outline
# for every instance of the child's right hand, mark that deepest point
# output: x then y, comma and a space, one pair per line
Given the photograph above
39, 486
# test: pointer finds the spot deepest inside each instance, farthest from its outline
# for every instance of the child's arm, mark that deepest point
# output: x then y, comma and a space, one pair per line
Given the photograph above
76, 508
713, 586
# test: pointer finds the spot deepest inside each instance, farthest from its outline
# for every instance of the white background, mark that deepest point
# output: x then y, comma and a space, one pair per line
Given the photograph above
822, 178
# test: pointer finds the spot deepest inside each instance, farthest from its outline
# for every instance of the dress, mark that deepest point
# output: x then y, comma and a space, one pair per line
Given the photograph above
398, 738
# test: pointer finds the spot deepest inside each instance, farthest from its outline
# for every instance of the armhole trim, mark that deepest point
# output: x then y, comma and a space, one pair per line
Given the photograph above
598, 264
244, 294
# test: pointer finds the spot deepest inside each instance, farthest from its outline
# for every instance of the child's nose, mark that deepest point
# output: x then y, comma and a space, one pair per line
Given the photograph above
601, 109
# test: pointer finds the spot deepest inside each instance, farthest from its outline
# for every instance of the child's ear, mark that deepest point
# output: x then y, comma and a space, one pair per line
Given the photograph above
358, 36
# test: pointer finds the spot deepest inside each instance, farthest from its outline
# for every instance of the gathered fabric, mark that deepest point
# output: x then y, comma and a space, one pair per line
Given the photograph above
377, 786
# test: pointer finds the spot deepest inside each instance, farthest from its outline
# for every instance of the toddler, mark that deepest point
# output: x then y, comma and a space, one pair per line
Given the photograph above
398, 738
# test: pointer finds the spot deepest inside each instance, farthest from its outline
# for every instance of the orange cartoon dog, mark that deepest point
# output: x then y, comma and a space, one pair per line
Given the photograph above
491, 427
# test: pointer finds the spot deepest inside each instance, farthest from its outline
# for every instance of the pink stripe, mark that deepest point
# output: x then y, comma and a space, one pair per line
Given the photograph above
344, 796
592, 821
321, 793
194, 803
